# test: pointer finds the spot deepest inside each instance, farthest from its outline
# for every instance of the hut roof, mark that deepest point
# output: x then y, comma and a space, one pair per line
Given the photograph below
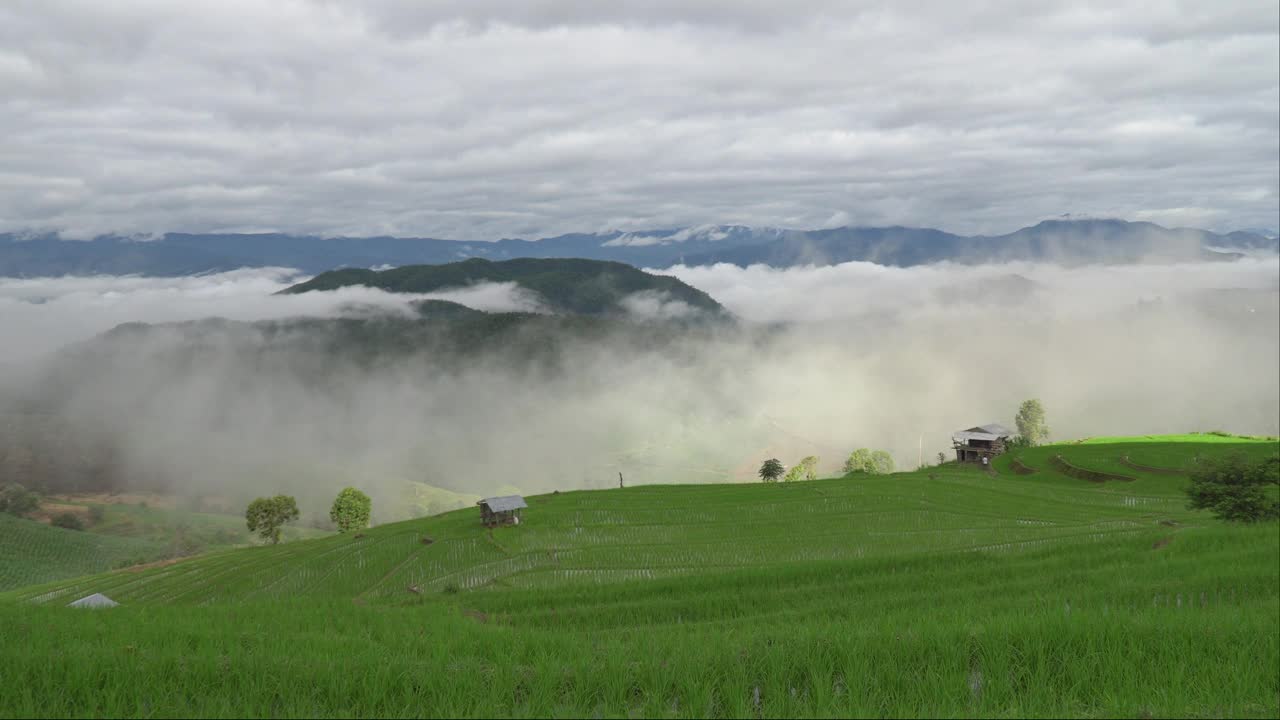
96, 600
990, 431
504, 503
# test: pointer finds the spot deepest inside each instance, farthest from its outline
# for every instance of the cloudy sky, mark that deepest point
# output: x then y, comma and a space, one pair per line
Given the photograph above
478, 119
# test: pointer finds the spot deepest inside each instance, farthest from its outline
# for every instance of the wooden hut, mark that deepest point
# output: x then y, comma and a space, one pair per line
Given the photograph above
984, 441
504, 510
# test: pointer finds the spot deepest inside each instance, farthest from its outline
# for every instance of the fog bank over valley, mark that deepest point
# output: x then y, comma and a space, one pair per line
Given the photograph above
820, 361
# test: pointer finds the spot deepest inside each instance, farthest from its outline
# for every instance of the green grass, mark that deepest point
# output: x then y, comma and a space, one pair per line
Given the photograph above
195, 530
32, 552
1214, 436
947, 591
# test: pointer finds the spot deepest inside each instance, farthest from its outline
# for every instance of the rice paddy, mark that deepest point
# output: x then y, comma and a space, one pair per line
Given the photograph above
946, 591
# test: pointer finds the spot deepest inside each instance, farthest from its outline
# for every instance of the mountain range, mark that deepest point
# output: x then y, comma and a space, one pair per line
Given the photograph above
1062, 241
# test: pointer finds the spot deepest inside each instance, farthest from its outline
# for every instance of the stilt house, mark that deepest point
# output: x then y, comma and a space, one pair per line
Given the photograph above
503, 510
983, 441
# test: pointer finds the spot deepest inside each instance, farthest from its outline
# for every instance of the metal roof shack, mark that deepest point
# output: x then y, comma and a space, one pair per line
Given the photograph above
501, 510
980, 443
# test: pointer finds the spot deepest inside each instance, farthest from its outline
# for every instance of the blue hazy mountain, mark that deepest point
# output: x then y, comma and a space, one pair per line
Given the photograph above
1063, 241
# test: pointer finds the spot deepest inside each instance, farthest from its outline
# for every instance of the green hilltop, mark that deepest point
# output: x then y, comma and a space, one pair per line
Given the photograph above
1024, 591
586, 287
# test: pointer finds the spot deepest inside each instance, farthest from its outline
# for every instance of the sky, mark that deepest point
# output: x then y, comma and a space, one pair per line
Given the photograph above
481, 119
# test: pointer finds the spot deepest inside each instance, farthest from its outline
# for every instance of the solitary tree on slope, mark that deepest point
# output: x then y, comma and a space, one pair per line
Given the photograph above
351, 510
771, 470
266, 516
1031, 424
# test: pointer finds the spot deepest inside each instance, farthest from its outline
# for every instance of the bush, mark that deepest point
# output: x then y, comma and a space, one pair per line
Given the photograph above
96, 513
1235, 489
70, 521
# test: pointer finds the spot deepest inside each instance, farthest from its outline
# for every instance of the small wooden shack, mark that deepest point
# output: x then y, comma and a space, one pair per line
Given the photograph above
984, 441
503, 510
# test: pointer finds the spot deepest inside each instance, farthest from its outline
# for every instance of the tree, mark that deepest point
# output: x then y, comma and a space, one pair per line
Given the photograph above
881, 462
806, 469
265, 516
942, 458
870, 462
17, 500
771, 470
351, 510
1031, 424
1234, 488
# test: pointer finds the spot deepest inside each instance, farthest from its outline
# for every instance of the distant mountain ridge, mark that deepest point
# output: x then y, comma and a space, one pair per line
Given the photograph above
1062, 241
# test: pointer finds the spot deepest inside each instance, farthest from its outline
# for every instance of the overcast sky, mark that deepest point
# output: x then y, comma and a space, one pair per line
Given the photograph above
479, 119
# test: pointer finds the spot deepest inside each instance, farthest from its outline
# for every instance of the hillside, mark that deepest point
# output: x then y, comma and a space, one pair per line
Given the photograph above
186, 253
127, 534
946, 591
33, 552
586, 287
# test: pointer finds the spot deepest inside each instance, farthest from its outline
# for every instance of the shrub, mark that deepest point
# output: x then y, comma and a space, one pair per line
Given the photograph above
68, 520
96, 513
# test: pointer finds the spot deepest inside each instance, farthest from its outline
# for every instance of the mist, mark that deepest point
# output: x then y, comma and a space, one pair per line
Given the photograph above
822, 361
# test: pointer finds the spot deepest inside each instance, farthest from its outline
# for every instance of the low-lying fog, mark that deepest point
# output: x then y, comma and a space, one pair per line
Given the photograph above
867, 356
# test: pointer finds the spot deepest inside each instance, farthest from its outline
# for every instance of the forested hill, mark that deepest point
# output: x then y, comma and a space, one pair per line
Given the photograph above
585, 287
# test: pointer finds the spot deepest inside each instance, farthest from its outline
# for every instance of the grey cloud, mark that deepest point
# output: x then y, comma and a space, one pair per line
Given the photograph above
479, 120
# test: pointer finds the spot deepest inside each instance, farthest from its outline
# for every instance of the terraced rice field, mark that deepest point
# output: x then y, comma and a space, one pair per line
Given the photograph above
948, 591
32, 552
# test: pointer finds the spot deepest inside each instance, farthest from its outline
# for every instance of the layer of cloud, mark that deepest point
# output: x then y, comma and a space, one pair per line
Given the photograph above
40, 315
477, 120
1020, 290
867, 357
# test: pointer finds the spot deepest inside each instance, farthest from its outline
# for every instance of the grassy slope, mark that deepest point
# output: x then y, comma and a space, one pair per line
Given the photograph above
947, 591
32, 552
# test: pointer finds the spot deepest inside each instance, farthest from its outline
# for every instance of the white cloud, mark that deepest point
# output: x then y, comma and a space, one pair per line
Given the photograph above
40, 315
871, 357
493, 118
858, 289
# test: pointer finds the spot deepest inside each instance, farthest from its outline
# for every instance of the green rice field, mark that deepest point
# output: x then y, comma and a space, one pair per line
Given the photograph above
947, 591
